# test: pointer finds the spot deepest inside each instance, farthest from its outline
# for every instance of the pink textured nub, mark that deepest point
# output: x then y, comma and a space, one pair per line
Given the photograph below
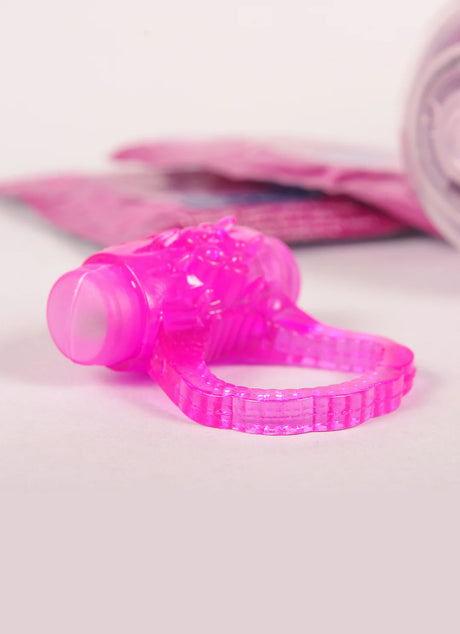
175, 303
94, 315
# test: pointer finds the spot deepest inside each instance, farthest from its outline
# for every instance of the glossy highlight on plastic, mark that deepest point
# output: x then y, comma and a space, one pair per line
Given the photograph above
177, 302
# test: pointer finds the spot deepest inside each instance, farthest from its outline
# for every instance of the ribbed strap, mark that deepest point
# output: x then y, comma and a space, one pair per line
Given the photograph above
385, 373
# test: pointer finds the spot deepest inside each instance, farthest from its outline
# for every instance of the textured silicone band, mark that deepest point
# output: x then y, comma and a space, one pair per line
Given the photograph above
385, 372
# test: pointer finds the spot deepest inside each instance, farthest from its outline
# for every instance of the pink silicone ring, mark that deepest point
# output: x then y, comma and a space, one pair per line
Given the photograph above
174, 303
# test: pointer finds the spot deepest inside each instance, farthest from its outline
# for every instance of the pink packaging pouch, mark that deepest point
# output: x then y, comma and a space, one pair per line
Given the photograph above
296, 191
365, 176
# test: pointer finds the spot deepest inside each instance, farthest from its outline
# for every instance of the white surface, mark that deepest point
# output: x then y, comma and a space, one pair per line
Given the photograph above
118, 514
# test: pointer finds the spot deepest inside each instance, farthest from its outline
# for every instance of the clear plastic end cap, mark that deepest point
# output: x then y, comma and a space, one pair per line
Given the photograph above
94, 315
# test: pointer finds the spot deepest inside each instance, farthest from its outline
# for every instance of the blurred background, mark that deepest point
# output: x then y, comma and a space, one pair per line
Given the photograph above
117, 513
78, 78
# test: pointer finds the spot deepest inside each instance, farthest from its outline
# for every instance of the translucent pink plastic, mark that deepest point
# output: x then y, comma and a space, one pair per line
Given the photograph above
174, 303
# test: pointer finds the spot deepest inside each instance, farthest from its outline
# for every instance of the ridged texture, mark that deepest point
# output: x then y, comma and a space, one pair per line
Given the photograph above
388, 374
